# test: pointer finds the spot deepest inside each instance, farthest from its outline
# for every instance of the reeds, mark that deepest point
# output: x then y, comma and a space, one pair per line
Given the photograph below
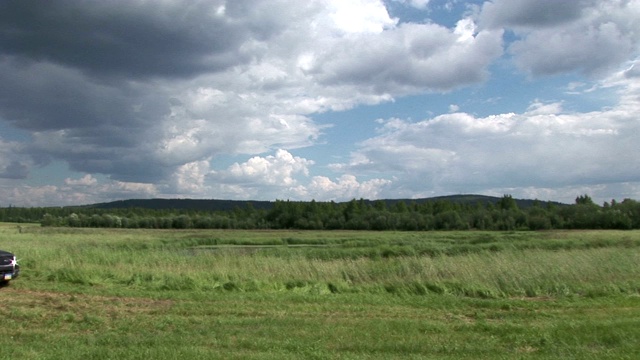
475, 264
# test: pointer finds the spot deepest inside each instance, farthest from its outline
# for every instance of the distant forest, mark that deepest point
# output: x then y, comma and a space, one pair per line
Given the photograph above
461, 212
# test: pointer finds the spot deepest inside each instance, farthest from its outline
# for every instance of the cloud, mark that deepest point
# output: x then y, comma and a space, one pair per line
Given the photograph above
135, 89
86, 180
132, 38
418, 4
633, 71
15, 170
411, 58
344, 188
273, 170
360, 16
45, 96
563, 36
37, 196
189, 179
13, 164
531, 13
542, 148
145, 97
286, 176
85, 190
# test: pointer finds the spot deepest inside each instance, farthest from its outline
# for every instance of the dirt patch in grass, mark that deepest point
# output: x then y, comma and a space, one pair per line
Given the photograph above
12, 298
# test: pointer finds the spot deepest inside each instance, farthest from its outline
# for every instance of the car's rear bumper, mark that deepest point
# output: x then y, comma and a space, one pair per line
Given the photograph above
9, 274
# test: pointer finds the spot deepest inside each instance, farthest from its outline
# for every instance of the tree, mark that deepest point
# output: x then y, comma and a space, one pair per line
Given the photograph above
584, 200
49, 220
507, 202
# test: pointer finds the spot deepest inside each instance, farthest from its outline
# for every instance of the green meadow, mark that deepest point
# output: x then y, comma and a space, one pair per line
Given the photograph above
216, 294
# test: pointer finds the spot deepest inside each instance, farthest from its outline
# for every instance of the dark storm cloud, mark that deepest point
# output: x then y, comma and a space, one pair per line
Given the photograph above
95, 127
15, 170
40, 97
124, 154
128, 38
92, 81
531, 13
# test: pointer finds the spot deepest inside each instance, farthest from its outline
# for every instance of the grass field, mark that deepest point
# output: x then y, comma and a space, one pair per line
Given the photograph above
143, 294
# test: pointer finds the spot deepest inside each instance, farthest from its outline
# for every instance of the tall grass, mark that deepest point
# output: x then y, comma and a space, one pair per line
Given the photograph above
105, 294
483, 264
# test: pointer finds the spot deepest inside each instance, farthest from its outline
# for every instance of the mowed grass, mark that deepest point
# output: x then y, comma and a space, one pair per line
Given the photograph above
142, 294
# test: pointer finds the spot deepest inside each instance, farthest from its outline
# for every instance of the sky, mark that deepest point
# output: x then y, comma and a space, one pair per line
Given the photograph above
318, 99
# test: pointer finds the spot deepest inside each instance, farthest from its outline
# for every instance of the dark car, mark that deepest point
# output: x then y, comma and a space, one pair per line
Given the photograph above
9, 268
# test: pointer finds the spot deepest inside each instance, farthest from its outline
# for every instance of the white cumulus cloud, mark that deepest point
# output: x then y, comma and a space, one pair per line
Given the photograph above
542, 148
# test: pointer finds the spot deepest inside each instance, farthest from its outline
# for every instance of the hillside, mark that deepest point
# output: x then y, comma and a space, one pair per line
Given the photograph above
225, 205
183, 204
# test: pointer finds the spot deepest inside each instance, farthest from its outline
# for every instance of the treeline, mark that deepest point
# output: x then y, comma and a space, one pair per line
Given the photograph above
354, 215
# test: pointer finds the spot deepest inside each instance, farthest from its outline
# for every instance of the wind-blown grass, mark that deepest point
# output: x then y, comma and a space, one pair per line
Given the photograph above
140, 294
475, 264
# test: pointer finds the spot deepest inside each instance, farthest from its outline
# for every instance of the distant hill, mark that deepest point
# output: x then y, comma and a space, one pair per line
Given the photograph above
183, 204
469, 199
226, 205
483, 199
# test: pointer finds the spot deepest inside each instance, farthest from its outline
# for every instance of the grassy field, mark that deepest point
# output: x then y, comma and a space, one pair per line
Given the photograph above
143, 294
